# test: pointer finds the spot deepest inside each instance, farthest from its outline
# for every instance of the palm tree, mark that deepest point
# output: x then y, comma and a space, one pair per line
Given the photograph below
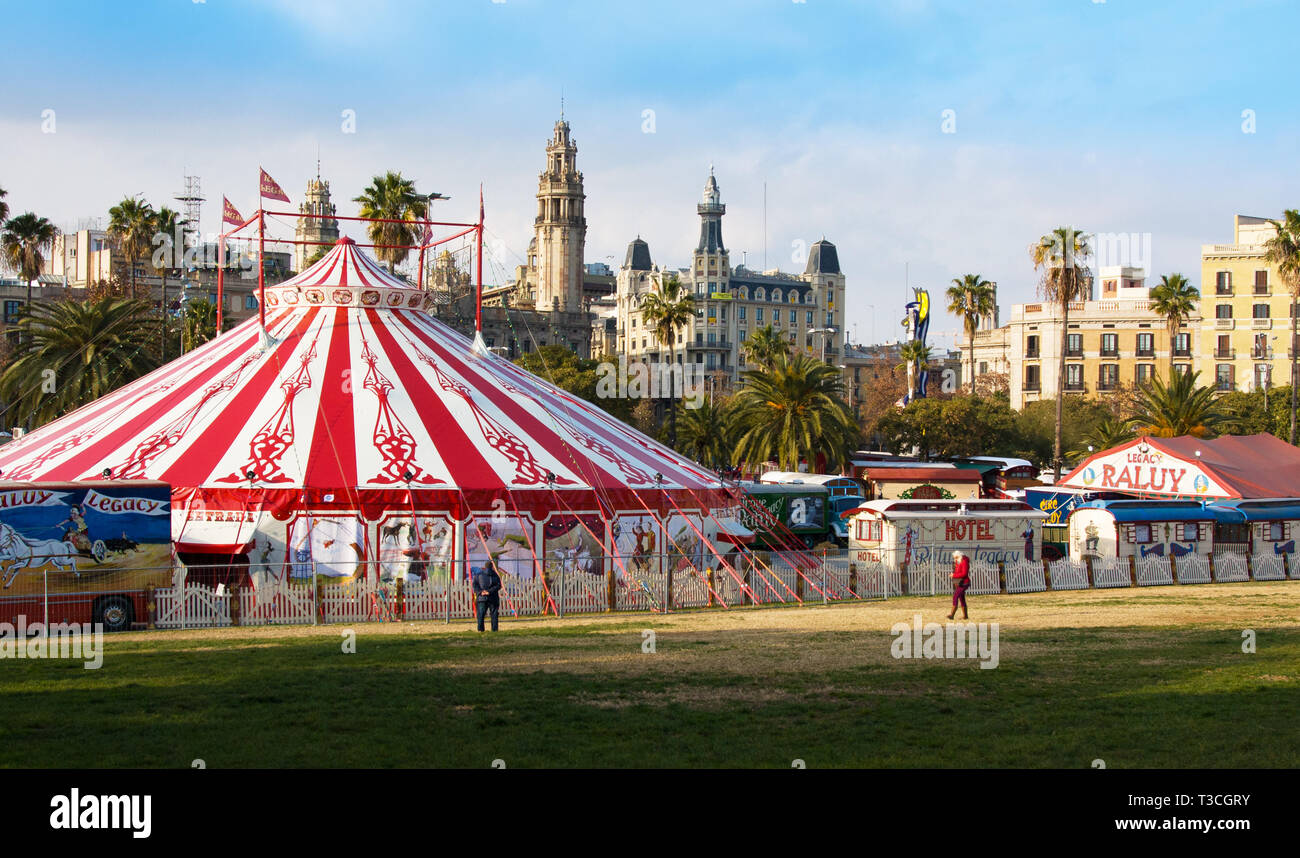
92, 348
1283, 250
706, 434
199, 324
165, 222
916, 356
970, 297
25, 240
1179, 407
131, 225
392, 197
1062, 256
794, 411
665, 310
1174, 299
1110, 432
766, 348
4, 206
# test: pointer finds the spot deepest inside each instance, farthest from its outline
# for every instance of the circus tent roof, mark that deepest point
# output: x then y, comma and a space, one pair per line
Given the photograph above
359, 391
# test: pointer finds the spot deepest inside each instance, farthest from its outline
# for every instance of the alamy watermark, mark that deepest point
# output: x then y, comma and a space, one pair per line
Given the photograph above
59, 640
640, 380
951, 640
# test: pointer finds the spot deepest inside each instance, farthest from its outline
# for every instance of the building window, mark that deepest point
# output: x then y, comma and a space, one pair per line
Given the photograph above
984, 367
1108, 379
809, 319
1259, 311
758, 314
1109, 345
1276, 531
1223, 283
1263, 376
1142, 533
1260, 349
1182, 368
1182, 345
1144, 372
760, 294
794, 319
744, 293
1146, 346
1223, 376
1031, 378
1191, 531
1261, 282
740, 313
743, 335
1223, 311
1074, 345
1031, 346
793, 297
1224, 349
830, 319
12, 309
776, 294
1074, 376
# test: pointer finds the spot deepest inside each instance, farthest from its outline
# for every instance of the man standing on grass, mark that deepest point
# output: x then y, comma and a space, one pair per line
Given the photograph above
487, 586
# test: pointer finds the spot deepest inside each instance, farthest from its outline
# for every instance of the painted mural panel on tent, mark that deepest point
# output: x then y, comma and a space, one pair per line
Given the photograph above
508, 539
571, 544
334, 545
683, 545
637, 546
415, 548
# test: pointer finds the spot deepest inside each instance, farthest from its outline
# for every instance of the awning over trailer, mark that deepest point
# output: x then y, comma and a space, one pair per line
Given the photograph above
732, 531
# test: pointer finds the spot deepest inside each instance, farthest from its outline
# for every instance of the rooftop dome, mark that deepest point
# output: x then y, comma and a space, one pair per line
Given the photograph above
823, 259
638, 256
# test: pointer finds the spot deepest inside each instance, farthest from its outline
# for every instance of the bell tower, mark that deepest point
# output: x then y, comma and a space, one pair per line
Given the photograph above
560, 229
322, 229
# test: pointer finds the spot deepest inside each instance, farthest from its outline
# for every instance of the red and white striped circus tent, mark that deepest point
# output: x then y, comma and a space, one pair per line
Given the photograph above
365, 431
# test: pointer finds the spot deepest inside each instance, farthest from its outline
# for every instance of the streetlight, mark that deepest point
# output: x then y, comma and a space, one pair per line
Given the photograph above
823, 332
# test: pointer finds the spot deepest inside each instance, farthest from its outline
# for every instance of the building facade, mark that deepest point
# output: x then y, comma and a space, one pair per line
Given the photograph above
1247, 312
1110, 343
731, 302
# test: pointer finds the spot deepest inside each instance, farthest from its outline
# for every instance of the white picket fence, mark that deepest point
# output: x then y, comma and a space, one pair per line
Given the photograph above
766, 579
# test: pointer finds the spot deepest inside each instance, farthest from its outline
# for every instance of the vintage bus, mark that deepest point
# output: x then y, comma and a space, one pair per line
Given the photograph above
845, 493
898, 533
783, 516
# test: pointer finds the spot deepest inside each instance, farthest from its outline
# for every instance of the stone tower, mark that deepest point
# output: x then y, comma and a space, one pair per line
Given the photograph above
561, 226
317, 202
711, 261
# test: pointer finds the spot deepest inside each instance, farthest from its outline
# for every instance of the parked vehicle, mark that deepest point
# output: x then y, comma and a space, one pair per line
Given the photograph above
898, 533
785, 516
83, 552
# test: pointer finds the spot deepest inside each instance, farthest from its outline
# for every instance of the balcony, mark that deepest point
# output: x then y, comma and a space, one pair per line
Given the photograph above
1145, 353
1225, 354
1261, 324
1031, 354
1224, 324
1224, 384
1074, 353
1263, 291
1182, 351
1031, 386
1074, 387
1107, 384
1112, 351
1261, 354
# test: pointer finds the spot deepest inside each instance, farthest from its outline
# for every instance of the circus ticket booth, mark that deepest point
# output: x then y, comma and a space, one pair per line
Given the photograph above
1140, 529
898, 533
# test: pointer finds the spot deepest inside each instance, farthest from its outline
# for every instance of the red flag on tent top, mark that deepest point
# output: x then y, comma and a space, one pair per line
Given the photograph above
268, 188
230, 214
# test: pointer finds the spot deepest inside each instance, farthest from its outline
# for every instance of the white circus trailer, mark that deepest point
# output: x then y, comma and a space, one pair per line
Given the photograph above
898, 533
1138, 528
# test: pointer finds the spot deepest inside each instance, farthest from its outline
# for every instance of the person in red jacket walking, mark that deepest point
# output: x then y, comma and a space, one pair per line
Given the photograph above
960, 582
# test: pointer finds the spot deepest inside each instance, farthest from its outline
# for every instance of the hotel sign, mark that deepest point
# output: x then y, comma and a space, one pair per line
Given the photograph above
1145, 470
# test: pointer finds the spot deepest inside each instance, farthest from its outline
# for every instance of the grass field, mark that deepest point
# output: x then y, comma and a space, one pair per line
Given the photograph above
1138, 678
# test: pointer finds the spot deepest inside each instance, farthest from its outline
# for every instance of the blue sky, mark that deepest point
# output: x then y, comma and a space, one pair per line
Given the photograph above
1120, 116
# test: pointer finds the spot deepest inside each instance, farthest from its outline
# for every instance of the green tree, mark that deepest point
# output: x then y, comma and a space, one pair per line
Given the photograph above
705, 433
4, 206
1179, 407
580, 376
969, 298
1110, 432
200, 323
766, 348
131, 226
964, 426
1062, 257
24, 243
916, 357
1283, 251
73, 352
393, 198
664, 310
1175, 300
1036, 426
166, 256
794, 412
